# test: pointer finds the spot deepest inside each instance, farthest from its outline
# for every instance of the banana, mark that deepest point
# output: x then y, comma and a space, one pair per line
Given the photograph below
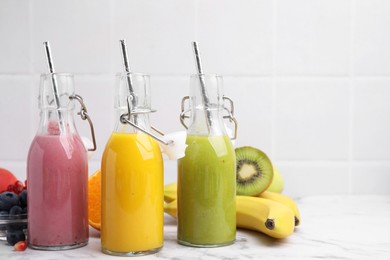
285, 200
267, 216
277, 183
170, 192
171, 208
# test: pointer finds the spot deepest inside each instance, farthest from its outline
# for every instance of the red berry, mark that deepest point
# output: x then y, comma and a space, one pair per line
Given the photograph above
18, 187
25, 184
10, 188
20, 246
6, 178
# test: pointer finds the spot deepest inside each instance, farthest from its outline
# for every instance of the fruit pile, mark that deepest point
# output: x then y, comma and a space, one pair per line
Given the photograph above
13, 209
260, 206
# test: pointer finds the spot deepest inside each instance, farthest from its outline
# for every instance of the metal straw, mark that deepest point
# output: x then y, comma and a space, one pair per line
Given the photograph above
205, 99
133, 99
46, 45
51, 71
127, 69
128, 76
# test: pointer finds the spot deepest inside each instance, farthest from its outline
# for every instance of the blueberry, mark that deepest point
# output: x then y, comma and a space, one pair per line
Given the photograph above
15, 236
3, 215
23, 198
8, 199
15, 210
3, 206
24, 210
14, 227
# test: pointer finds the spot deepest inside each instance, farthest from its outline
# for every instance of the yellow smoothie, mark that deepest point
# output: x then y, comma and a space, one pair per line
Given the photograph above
132, 194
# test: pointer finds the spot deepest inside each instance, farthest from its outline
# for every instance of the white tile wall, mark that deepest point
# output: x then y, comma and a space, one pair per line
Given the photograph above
253, 110
312, 119
313, 37
236, 36
167, 93
310, 78
372, 38
79, 33
315, 178
158, 34
371, 139
100, 108
370, 178
15, 53
15, 114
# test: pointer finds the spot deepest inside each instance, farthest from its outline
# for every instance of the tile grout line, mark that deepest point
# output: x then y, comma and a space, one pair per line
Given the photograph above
31, 36
274, 77
351, 95
33, 85
259, 76
196, 20
111, 33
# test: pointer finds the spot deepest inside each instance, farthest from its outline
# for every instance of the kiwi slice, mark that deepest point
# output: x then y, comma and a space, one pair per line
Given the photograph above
254, 171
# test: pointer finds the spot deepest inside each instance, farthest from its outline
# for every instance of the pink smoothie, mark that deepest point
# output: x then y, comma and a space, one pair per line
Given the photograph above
57, 182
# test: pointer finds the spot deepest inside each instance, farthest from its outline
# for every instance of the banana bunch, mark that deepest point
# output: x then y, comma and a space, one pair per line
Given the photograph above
271, 213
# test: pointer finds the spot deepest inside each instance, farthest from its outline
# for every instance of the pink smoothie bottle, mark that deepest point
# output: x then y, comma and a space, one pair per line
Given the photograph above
57, 170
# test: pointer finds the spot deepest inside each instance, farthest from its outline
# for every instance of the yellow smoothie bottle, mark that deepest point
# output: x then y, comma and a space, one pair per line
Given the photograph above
132, 175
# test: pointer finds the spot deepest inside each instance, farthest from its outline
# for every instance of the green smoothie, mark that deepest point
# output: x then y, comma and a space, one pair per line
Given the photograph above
206, 192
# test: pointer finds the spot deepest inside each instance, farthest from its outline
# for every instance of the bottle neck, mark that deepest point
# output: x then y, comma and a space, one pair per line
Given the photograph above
206, 105
57, 122
141, 120
55, 104
206, 121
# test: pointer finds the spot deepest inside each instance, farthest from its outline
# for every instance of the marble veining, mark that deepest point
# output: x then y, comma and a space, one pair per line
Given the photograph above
333, 227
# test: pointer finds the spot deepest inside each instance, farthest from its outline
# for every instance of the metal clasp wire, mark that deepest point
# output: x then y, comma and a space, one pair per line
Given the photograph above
84, 116
184, 111
125, 118
230, 115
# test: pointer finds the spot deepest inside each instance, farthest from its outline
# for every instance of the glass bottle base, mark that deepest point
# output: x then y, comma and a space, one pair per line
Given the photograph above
57, 248
137, 253
185, 243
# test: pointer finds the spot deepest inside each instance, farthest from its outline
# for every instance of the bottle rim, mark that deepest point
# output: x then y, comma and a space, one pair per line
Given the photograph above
46, 75
140, 74
206, 75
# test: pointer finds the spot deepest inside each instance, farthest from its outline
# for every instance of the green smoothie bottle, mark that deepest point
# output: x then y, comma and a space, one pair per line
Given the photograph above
207, 172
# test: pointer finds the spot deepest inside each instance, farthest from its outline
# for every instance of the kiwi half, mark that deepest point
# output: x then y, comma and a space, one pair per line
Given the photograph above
254, 171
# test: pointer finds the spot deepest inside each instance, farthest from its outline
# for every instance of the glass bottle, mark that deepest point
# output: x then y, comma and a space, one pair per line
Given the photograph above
206, 174
132, 175
57, 171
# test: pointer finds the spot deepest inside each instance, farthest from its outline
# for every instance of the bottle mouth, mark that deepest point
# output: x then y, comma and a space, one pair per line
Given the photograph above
137, 74
60, 74
60, 109
208, 75
136, 111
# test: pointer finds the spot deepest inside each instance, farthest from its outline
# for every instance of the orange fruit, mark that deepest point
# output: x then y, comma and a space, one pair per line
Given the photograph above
94, 204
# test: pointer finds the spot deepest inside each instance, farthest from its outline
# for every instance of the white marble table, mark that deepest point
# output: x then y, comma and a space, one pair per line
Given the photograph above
336, 227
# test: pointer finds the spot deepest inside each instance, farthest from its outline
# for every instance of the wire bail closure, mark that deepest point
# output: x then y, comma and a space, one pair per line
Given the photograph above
84, 116
125, 119
230, 113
